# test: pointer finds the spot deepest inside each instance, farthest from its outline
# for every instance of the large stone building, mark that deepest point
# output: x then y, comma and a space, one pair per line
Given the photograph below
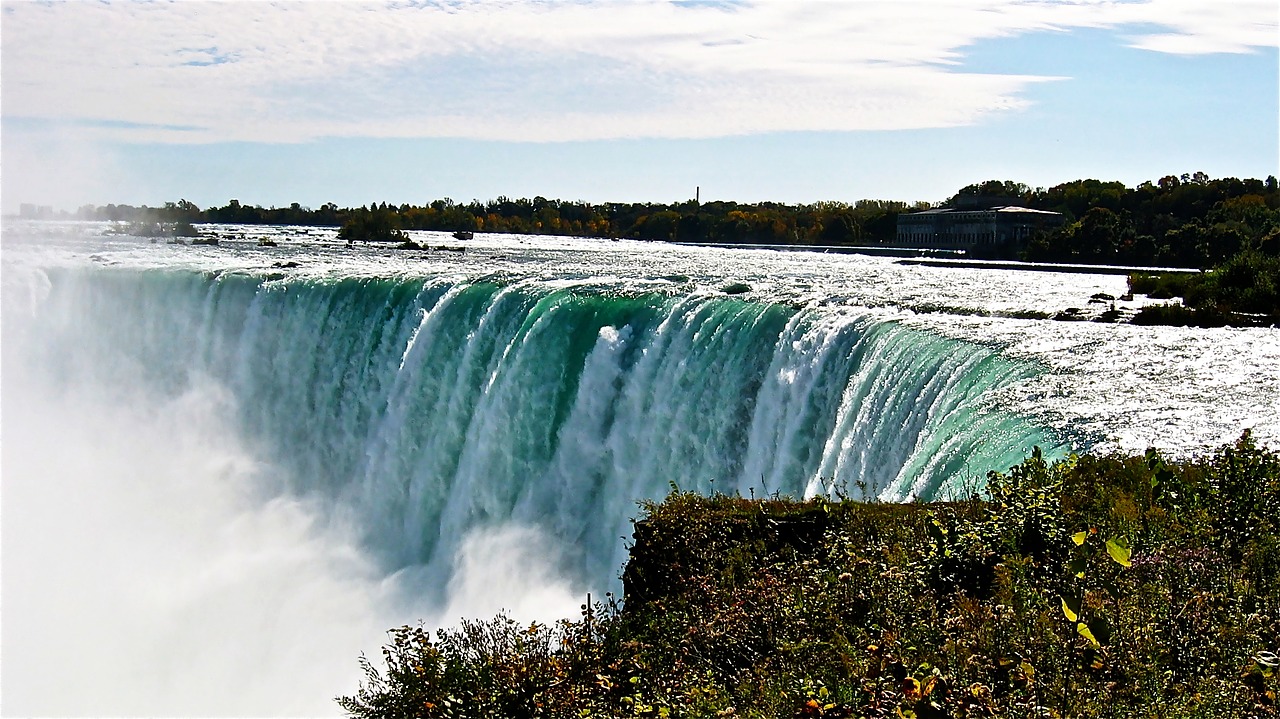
974, 225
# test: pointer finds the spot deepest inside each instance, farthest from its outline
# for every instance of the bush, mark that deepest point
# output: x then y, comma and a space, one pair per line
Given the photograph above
1180, 316
1099, 586
1246, 284
1162, 286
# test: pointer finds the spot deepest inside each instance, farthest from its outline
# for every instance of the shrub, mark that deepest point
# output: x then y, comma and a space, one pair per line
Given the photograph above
1099, 586
1246, 284
1162, 286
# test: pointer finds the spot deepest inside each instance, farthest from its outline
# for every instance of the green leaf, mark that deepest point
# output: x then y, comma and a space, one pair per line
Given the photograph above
1118, 552
1071, 608
1076, 566
1079, 537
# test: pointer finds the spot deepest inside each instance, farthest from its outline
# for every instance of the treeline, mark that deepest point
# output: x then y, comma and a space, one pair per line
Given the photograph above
1190, 221
830, 223
1187, 221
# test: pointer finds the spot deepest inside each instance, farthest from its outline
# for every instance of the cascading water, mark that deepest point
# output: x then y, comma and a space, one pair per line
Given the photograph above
219, 473
422, 409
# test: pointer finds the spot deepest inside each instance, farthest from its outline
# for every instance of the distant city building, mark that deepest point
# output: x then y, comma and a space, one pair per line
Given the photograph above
28, 211
975, 223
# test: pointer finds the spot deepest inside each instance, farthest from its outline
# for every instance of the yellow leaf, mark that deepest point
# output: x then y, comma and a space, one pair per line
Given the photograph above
1079, 537
1083, 631
1118, 552
929, 684
1071, 608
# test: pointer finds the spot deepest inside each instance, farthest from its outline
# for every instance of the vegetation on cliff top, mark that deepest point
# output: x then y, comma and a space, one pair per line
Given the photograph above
1101, 586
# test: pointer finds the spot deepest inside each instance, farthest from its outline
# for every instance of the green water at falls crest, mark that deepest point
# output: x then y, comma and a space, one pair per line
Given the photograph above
421, 409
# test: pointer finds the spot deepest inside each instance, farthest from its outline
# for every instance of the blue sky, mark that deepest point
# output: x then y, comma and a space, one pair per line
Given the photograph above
630, 100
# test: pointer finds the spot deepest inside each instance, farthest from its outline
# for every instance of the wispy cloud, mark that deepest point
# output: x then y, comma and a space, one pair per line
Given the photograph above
544, 71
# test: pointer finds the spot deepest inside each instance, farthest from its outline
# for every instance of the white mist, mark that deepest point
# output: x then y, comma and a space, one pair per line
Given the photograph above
149, 568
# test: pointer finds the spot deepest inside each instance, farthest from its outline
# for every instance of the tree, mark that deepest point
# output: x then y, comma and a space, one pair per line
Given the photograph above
372, 226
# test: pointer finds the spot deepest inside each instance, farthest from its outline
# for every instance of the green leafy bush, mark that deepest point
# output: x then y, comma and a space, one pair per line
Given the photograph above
1099, 586
1245, 290
1161, 286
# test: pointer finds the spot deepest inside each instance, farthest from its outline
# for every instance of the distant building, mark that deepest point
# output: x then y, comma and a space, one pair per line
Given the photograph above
975, 224
28, 211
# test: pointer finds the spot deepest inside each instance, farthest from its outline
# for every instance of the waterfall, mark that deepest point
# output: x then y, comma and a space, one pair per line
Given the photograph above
421, 409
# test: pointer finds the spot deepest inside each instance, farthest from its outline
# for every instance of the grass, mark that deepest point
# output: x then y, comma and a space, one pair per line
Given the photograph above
1100, 586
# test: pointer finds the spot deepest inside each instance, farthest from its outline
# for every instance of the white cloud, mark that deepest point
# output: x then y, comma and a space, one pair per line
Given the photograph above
528, 70
1190, 27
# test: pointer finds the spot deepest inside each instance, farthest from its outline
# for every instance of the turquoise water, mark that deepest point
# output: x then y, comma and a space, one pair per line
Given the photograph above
428, 407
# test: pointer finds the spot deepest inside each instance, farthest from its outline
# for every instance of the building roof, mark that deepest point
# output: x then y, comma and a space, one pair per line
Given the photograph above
1012, 209
1025, 209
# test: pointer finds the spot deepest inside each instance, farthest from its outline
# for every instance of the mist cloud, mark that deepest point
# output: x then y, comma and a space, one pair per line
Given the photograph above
151, 564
